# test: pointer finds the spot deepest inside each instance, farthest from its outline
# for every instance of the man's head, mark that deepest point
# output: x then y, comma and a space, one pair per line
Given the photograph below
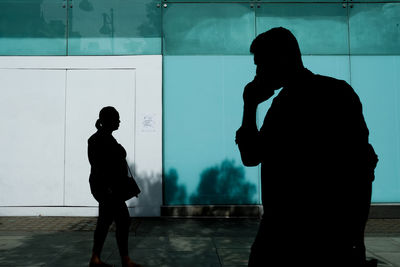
277, 56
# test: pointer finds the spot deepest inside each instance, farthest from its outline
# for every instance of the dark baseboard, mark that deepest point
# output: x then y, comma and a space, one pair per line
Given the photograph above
216, 211
385, 211
377, 211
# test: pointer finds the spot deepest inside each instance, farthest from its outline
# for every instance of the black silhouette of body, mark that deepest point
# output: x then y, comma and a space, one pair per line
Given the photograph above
108, 165
316, 163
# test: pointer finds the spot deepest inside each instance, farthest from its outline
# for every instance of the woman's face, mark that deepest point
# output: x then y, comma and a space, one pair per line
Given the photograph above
112, 122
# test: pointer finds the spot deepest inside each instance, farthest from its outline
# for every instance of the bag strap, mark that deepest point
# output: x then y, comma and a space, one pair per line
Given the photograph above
129, 169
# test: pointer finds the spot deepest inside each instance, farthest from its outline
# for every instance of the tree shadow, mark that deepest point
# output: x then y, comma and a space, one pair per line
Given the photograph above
150, 199
174, 193
224, 184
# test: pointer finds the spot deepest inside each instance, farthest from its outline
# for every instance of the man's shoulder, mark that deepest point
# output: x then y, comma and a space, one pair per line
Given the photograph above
331, 87
330, 81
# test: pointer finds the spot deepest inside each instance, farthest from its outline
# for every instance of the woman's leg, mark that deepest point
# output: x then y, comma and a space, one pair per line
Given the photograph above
104, 221
122, 222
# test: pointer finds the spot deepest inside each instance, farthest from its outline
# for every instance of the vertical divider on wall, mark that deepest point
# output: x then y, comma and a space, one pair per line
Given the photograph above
65, 131
346, 5
255, 19
134, 126
397, 108
161, 5
257, 113
66, 5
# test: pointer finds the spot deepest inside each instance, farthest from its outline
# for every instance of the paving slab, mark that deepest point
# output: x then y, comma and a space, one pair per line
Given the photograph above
185, 244
234, 256
390, 258
165, 257
149, 242
382, 244
233, 242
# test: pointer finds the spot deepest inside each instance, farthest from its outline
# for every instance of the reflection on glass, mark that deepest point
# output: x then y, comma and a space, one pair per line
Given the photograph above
208, 29
375, 29
86, 5
32, 27
118, 27
320, 28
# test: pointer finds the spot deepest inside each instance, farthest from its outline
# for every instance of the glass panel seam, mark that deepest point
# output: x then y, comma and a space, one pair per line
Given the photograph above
349, 42
67, 28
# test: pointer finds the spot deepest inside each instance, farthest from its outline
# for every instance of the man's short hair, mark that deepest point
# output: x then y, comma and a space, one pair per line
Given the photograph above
277, 41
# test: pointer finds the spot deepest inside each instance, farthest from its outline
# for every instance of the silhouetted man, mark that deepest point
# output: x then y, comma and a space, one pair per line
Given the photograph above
316, 163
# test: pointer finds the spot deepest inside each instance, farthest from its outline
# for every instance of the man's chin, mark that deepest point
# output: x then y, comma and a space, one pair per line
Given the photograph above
272, 85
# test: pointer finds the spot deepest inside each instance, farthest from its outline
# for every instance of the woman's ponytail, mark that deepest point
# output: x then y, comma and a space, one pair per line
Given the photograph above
98, 124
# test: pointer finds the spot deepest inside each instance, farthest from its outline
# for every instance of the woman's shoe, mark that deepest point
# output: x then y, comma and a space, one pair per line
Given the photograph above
371, 263
129, 263
132, 264
101, 264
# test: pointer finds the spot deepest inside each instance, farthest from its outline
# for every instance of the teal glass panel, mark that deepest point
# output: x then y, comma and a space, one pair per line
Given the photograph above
374, 29
320, 28
202, 109
114, 27
376, 80
32, 27
208, 29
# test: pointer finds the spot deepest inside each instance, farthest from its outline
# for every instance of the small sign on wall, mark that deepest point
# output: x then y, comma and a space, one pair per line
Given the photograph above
148, 122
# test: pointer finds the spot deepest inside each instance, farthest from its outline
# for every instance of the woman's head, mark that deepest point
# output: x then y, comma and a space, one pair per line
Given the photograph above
108, 119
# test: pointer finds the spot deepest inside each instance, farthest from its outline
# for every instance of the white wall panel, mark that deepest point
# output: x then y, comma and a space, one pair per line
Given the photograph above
32, 111
148, 138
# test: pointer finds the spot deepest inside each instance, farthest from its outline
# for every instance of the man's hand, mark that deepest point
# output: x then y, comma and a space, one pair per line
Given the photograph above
256, 92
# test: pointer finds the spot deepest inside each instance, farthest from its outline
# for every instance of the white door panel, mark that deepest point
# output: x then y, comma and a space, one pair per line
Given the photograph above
32, 111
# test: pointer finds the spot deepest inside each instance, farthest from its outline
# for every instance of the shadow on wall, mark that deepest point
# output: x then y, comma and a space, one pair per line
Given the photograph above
151, 191
174, 193
224, 184
220, 184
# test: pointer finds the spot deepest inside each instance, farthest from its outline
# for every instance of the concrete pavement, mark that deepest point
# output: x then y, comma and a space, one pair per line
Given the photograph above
67, 241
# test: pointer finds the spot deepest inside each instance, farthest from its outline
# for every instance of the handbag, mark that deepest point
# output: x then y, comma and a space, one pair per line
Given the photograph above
129, 187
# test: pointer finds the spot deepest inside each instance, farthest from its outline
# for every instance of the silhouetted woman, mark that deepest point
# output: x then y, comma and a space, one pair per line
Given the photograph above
108, 165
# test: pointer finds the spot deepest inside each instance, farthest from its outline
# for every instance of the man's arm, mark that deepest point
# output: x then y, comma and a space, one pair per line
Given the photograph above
352, 133
247, 137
